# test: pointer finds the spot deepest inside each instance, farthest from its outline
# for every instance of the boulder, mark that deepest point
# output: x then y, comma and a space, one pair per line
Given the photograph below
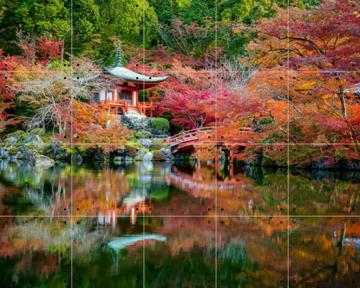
4, 153
164, 154
17, 135
140, 154
34, 140
148, 156
144, 155
147, 143
10, 141
43, 162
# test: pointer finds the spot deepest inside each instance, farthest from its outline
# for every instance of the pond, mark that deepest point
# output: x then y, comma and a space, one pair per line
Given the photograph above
178, 225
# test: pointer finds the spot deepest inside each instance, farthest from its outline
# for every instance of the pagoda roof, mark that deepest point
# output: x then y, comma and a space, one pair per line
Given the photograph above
128, 75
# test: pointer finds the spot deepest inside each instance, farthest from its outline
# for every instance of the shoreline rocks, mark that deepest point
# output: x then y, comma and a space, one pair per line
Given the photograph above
22, 146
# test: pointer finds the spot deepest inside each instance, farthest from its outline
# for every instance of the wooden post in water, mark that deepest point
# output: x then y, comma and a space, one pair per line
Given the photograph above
231, 161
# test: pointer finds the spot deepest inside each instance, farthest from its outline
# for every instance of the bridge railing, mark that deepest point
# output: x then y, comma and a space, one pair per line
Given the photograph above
205, 134
189, 135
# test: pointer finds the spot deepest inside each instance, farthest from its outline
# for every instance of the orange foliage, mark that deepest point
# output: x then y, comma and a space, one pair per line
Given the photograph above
92, 126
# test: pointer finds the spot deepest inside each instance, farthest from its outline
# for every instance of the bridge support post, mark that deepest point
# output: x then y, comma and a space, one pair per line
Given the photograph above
231, 162
216, 160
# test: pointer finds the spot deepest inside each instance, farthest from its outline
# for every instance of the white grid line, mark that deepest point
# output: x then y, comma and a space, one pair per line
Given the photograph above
144, 216
288, 150
186, 216
71, 145
216, 151
143, 96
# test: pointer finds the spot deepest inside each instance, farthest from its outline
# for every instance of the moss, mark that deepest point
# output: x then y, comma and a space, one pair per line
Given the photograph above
131, 149
159, 143
13, 150
18, 134
37, 131
31, 146
140, 134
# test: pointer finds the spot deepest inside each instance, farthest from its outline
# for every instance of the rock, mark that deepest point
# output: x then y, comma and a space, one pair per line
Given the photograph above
118, 160
148, 156
4, 153
54, 148
10, 141
128, 159
35, 140
140, 154
77, 159
17, 135
131, 151
147, 143
60, 153
43, 162
166, 153
143, 155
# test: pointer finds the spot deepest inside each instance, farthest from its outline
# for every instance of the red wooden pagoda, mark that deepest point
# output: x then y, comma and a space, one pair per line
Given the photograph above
120, 94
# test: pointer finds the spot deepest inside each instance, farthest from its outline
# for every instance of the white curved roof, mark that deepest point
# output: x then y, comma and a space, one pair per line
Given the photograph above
126, 74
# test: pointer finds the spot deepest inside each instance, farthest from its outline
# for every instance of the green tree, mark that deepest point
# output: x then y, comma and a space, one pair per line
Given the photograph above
34, 18
86, 26
131, 20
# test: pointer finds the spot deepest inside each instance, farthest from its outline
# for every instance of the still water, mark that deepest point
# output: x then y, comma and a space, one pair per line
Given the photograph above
183, 225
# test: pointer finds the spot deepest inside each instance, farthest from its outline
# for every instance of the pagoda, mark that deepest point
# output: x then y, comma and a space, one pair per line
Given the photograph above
120, 93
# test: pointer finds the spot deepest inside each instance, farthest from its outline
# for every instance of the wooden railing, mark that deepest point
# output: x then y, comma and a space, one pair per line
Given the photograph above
189, 135
143, 107
205, 134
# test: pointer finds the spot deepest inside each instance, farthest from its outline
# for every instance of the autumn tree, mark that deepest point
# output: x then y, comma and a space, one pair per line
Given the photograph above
189, 96
318, 53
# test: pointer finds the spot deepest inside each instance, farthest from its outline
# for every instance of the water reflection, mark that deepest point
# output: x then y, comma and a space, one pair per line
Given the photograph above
182, 252
158, 220
166, 189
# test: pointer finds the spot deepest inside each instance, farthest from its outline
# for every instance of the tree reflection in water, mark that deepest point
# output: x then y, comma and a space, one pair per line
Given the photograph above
248, 247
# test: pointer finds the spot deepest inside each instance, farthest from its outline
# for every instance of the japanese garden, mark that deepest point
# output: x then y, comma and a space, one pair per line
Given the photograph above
180, 143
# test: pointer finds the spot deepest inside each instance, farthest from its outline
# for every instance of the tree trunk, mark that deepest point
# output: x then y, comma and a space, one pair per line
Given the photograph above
343, 102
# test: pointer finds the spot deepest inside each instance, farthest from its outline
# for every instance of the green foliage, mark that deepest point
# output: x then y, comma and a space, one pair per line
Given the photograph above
86, 23
139, 134
36, 18
160, 125
133, 22
188, 11
126, 18
159, 192
13, 150
246, 10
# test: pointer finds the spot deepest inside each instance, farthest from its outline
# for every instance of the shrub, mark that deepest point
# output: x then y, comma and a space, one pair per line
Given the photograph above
140, 134
160, 125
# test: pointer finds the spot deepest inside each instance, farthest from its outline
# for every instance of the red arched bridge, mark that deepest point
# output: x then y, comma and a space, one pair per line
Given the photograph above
216, 136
